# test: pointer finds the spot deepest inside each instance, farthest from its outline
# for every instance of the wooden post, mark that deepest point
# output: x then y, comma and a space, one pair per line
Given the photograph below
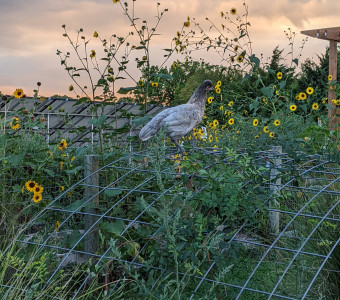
91, 239
274, 216
331, 92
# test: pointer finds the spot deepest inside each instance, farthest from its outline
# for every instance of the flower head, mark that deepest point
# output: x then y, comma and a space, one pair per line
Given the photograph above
330, 77
62, 145
277, 122
255, 122
115, 1
56, 226
215, 122
240, 58
18, 93
30, 185
187, 23
218, 90
140, 82
37, 198
265, 129
210, 99
95, 34
219, 83
154, 84
230, 103
315, 106
231, 121
38, 189
293, 107
93, 54
279, 75
15, 124
310, 90
303, 96
62, 188
271, 134
70, 88
233, 11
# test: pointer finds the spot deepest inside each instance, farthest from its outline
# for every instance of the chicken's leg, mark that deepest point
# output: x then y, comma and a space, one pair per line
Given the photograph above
180, 149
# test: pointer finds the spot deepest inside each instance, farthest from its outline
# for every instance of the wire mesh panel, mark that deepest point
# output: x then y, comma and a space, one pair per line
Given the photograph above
149, 224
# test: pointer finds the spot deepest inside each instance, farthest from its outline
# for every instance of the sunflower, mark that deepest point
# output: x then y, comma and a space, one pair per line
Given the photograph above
215, 123
15, 124
140, 82
42, 98
221, 107
18, 93
154, 84
315, 106
56, 226
310, 90
37, 198
115, 1
30, 185
187, 23
218, 90
277, 122
255, 122
72, 158
95, 34
232, 59
210, 138
293, 107
38, 189
70, 88
230, 103
240, 58
61, 164
236, 48
93, 54
231, 121
279, 75
210, 99
272, 134
303, 96
330, 77
265, 129
219, 83
62, 145
62, 188
233, 11
297, 97
334, 101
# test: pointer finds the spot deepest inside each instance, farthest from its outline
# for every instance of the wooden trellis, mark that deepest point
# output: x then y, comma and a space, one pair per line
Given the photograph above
331, 34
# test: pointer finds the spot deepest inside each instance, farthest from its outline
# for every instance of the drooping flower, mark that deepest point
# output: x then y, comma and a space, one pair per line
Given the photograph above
15, 124
187, 23
72, 158
240, 58
315, 106
293, 107
154, 84
279, 75
30, 185
37, 198
18, 93
310, 90
56, 226
95, 34
233, 11
255, 122
277, 122
231, 121
93, 54
70, 88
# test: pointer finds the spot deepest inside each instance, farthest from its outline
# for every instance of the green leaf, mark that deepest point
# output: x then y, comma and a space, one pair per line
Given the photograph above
140, 63
296, 61
163, 76
112, 193
126, 90
116, 227
75, 205
98, 122
246, 77
255, 60
141, 121
267, 91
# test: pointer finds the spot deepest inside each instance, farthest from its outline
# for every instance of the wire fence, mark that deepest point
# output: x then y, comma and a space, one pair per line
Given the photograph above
289, 241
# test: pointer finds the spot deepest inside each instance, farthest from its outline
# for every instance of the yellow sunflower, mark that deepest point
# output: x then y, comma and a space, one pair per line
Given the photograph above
277, 122
221, 107
187, 23
231, 121
62, 145
61, 164
15, 124
62, 188
18, 93
95, 34
115, 1
315, 106
265, 129
219, 83
272, 134
293, 107
56, 226
38, 189
210, 138
310, 90
218, 90
279, 75
330, 77
37, 198
232, 59
255, 122
30, 185
303, 96
140, 82
233, 11
235, 48
297, 97
154, 84
93, 54
70, 88
215, 123
210, 99
240, 58
230, 103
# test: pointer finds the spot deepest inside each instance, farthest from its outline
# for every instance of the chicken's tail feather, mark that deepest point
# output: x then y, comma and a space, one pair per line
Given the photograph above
147, 132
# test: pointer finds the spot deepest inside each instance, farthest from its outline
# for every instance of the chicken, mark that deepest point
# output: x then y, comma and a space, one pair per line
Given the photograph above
180, 119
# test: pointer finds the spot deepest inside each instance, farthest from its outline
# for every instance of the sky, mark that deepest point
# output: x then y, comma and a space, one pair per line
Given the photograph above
31, 32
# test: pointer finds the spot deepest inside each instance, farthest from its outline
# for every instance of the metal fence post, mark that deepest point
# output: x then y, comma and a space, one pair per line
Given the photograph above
274, 216
91, 183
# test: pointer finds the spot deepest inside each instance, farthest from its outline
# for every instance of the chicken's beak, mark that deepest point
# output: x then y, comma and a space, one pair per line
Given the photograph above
210, 89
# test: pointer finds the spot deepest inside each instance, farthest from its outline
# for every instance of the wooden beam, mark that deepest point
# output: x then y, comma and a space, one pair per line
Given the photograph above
331, 91
331, 33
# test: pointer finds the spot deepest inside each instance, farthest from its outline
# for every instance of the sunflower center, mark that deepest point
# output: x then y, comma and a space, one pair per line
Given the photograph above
31, 184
